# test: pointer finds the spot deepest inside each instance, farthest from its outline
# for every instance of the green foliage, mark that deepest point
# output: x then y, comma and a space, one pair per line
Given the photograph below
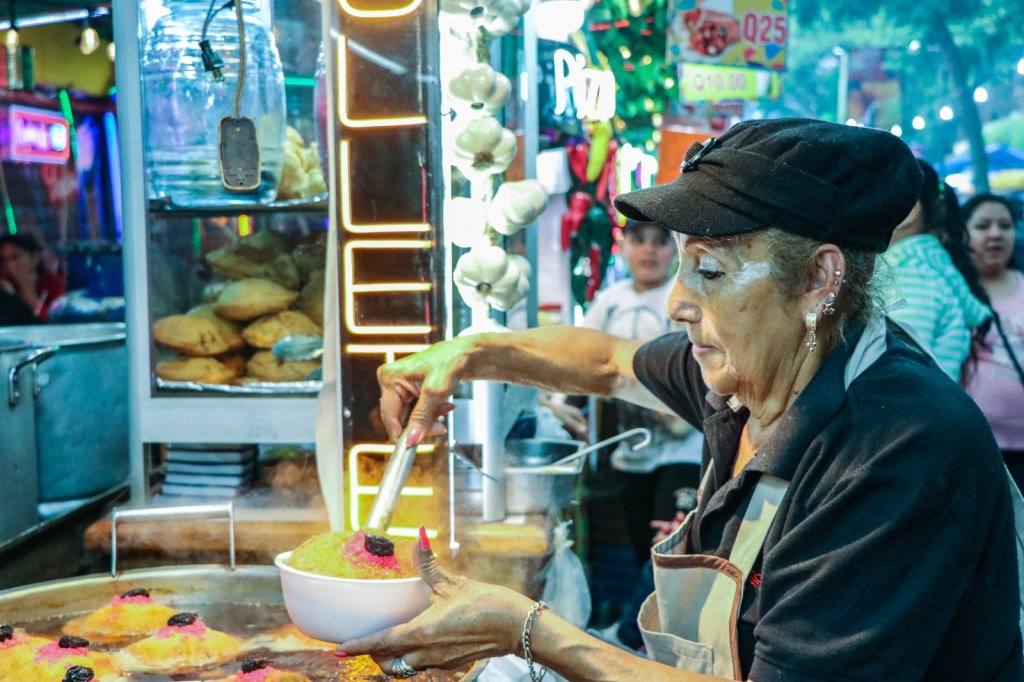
632, 40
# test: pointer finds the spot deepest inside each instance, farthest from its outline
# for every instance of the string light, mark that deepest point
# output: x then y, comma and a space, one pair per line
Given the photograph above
12, 40
89, 41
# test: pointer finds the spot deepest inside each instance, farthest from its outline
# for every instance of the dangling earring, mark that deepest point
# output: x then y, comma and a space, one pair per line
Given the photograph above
830, 305
811, 324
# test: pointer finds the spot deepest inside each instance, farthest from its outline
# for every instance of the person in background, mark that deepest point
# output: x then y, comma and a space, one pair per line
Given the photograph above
997, 382
25, 274
854, 518
940, 311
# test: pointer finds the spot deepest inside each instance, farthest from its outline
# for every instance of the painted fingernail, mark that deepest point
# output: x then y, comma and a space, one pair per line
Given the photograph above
424, 540
415, 434
341, 654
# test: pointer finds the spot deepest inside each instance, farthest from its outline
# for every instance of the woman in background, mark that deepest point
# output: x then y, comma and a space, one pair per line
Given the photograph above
997, 382
24, 274
939, 309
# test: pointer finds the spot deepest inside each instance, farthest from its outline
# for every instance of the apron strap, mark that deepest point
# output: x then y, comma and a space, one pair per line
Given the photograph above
717, 625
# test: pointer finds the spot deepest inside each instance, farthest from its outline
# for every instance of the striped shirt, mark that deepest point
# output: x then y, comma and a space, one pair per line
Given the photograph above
940, 308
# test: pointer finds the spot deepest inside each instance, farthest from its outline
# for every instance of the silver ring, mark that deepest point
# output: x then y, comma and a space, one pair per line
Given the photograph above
400, 669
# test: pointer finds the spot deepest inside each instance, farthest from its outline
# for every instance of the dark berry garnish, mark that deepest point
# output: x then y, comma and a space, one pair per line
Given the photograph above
182, 619
378, 545
71, 642
253, 663
137, 592
6, 633
78, 673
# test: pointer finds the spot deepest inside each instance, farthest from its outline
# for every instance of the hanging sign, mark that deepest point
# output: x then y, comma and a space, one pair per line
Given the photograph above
37, 136
746, 33
703, 83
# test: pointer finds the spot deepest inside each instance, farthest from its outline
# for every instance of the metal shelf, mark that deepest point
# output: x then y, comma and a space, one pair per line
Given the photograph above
165, 207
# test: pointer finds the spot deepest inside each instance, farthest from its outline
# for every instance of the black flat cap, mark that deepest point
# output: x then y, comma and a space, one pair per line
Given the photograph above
834, 183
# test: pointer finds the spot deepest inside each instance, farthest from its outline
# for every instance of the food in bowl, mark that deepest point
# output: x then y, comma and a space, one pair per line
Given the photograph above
342, 585
132, 614
355, 555
186, 643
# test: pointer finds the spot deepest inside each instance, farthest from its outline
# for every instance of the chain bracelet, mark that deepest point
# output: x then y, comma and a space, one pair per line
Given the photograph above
528, 654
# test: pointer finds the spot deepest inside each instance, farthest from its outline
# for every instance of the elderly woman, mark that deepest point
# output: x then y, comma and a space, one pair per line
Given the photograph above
854, 521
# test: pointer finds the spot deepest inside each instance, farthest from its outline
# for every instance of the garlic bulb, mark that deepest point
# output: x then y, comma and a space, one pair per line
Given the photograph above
479, 89
484, 147
515, 205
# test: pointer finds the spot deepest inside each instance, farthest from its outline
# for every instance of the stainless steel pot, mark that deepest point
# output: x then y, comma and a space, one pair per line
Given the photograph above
19, 488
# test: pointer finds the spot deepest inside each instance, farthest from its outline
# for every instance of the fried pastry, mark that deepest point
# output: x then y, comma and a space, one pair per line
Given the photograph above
268, 330
130, 615
196, 370
248, 299
264, 254
52, 660
264, 366
196, 335
16, 649
311, 254
259, 670
186, 643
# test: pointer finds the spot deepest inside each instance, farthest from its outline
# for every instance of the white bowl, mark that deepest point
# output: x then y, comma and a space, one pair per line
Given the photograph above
338, 609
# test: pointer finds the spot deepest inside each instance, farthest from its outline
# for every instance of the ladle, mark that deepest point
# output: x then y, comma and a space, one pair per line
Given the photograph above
639, 431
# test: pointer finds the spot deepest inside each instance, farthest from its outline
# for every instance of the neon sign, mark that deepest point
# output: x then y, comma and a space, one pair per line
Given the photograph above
37, 136
592, 90
384, 61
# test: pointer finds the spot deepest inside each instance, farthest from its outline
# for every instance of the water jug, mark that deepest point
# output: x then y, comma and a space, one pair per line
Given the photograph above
184, 103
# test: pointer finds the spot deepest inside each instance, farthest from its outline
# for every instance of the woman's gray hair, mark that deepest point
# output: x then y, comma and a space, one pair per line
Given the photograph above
791, 258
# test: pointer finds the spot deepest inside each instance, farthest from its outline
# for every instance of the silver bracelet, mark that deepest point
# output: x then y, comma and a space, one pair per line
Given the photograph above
527, 626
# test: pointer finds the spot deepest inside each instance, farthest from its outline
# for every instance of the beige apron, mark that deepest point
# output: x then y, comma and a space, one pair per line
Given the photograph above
689, 622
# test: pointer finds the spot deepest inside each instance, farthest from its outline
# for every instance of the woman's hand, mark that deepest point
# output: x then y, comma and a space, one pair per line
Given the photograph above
467, 621
416, 389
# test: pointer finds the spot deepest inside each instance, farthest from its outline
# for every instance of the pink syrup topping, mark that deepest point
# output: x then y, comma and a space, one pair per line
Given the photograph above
355, 551
15, 640
53, 652
195, 628
135, 599
258, 675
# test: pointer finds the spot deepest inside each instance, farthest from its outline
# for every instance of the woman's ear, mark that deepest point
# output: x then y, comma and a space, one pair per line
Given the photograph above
828, 271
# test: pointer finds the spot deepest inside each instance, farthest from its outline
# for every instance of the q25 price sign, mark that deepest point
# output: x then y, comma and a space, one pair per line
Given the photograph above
744, 33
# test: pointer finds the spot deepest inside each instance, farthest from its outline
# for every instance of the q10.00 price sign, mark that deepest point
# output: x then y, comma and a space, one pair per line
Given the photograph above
745, 33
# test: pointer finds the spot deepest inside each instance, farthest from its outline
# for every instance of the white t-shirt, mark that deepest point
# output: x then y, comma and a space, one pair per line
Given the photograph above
623, 311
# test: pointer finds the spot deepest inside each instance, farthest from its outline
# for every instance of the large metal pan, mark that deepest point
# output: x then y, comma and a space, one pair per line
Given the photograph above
244, 601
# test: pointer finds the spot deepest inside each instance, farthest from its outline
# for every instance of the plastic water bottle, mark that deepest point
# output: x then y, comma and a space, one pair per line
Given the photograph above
184, 103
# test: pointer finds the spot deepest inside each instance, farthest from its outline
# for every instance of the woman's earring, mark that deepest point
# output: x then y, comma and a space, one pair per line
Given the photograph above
811, 324
830, 305
839, 277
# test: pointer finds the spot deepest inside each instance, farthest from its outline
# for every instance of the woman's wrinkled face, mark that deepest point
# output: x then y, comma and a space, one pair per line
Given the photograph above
649, 251
990, 228
744, 328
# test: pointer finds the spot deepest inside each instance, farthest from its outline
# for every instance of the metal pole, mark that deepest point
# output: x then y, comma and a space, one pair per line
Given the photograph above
843, 88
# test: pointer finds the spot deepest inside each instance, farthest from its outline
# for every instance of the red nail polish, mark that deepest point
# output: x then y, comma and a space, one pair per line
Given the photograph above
341, 654
424, 540
414, 437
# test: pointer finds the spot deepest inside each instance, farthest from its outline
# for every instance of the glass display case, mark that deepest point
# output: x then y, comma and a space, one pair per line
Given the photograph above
226, 218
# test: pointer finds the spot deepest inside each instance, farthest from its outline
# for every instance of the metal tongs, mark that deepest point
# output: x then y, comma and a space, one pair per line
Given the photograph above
396, 473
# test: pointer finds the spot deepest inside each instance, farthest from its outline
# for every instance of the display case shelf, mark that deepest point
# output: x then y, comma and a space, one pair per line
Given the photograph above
167, 208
